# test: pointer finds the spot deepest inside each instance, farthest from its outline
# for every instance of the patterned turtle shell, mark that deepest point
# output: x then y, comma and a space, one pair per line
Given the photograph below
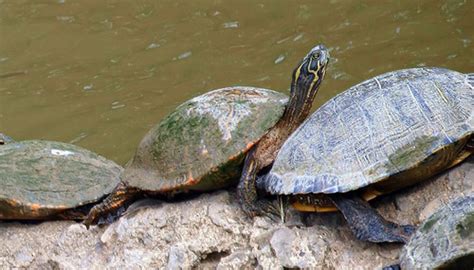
41, 179
201, 144
386, 132
445, 240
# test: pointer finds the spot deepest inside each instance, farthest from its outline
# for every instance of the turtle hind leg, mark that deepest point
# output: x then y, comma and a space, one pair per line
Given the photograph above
247, 191
108, 208
366, 223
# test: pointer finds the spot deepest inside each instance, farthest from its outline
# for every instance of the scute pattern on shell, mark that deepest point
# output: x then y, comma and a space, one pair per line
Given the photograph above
444, 239
204, 137
382, 126
44, 176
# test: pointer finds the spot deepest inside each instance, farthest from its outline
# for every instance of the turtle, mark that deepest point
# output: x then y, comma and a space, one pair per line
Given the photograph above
43, 180
201, 145
4, 139
445, 240
381, 135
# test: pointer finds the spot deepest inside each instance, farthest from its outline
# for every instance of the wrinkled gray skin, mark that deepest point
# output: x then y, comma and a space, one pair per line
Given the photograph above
444, 240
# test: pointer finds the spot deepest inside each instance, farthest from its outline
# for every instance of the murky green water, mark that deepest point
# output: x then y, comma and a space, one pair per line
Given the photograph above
101, 73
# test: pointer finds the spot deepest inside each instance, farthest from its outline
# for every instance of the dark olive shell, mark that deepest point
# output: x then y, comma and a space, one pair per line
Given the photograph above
201, 144
42, 178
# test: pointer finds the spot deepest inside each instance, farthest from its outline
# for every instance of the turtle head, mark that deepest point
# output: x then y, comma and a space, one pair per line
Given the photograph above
307, 78
311, 69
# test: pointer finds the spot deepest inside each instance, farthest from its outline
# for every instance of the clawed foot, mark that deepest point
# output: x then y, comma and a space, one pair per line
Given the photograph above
367, 224
264, 208
100, 217
385, 231
92, 218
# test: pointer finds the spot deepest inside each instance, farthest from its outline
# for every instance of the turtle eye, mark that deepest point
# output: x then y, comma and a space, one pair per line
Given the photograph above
317, 55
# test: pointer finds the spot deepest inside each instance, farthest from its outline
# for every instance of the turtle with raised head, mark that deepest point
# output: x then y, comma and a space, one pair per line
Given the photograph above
201, 145
386, 133
52, 180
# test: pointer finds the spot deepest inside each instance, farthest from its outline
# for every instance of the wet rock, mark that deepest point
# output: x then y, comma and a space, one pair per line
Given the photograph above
210, 232
4, 139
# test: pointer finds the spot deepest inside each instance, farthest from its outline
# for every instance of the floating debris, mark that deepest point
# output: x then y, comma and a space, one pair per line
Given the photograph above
13, 74
298, 37
117, 105
341, 75
153, 46
108, 24
465, 43
68, 19
88, 87
185, 55
282, 40
79, 138
231, 24
280, 59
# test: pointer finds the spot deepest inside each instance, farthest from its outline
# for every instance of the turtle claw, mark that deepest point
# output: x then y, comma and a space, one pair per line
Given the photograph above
92, 218
264, 208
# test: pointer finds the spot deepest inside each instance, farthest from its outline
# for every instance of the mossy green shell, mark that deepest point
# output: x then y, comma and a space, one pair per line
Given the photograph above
387, 132
445, 240
201, 144
39, 179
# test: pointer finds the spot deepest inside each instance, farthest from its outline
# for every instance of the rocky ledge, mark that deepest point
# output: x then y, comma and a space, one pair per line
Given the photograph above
210, 232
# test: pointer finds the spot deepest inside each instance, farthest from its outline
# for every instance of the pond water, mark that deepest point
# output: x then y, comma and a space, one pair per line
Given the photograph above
101, 73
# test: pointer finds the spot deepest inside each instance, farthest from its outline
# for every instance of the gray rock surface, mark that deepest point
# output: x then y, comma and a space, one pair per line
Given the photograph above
210, 232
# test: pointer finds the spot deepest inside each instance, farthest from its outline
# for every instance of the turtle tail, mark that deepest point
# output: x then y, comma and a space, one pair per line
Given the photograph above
112, 206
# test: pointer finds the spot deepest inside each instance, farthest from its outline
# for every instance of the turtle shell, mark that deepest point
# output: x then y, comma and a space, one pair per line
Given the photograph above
445, 240
201, 144
387, 132
40, 179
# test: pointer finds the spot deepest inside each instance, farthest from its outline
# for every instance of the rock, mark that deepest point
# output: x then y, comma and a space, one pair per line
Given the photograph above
296, 249
4, 139
444, 240
210, 231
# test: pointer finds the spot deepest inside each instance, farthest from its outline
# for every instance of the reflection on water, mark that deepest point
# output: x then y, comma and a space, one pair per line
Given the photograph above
101, 73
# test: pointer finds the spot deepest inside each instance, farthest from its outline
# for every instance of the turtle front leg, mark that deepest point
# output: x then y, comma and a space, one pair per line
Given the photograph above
247, 191
366, 223
111, 204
